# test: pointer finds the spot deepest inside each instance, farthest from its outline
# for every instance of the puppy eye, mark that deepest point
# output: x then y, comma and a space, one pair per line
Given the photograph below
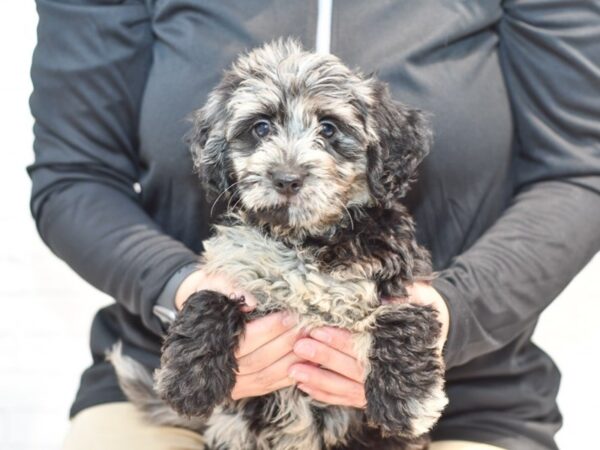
328, 129
262, 128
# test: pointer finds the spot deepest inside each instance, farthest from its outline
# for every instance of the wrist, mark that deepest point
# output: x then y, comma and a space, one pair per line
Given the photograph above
164, 308
425, 294
188, 287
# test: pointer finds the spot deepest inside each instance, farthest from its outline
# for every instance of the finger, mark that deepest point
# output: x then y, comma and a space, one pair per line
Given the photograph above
272, 375
326, 381
326, 397
267, 380
254, 391
247, 308
417, 290
260, 331
246, 301
330, 358
337, 338
266, 355
282, 383
398, 300
222, 283
246, 389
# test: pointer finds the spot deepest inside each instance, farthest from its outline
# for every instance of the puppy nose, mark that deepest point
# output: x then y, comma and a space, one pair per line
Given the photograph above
287, 183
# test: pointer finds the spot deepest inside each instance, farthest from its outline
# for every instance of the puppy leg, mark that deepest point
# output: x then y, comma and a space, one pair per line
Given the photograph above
404, 388
198, 364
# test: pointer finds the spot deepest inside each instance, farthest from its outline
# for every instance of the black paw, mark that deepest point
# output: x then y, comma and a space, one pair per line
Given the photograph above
198, 364
404, 388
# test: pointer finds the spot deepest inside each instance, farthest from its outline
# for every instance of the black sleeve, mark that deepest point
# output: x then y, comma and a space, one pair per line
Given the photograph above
550, 55
89, 70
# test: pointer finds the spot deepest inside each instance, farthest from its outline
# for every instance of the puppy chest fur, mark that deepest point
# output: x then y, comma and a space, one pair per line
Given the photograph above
290, 279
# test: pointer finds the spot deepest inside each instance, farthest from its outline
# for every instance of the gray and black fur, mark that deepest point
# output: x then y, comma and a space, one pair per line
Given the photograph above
309, 160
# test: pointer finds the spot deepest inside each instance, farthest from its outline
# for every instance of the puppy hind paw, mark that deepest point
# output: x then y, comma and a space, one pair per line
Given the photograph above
405, 386
198, 362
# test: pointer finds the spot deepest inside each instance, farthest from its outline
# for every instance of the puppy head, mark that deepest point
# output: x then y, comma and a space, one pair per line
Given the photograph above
295, 140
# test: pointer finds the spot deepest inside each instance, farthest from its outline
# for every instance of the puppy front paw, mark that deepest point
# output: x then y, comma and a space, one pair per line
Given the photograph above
198, 362
405, 385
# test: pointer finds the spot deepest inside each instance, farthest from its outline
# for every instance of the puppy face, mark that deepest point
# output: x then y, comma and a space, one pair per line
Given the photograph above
295, 140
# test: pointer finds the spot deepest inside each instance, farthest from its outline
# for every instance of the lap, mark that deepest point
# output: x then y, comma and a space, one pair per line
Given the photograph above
119, 426
461, 445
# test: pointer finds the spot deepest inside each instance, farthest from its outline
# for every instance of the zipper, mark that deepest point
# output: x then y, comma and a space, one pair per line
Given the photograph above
324, 13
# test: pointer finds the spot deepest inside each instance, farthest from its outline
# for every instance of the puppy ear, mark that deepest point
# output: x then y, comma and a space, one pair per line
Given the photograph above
207, 140
209, 152
403, 139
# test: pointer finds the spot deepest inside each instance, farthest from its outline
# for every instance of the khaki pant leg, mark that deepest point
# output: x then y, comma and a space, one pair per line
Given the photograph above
461, 445
119, 426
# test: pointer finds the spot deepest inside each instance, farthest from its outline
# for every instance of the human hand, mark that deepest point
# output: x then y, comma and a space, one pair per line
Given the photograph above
265, 350
201, 281
265, 355
333, 374
422, 293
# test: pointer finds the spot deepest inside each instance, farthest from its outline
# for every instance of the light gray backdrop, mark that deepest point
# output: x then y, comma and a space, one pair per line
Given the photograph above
46, 309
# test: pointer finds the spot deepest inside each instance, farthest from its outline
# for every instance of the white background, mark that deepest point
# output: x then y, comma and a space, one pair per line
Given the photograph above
46, 310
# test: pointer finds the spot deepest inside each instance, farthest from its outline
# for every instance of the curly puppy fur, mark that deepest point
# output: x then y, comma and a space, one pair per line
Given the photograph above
309, 161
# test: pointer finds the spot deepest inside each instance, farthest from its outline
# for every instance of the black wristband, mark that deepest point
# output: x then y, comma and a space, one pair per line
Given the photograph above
164, 308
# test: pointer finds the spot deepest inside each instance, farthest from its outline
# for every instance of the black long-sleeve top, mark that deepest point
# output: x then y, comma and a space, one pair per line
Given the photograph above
508, 201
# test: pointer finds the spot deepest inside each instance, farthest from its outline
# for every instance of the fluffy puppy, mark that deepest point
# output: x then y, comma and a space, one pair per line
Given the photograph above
310, 161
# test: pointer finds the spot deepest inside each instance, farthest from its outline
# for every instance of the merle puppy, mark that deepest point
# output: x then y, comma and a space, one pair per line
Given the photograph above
312, 160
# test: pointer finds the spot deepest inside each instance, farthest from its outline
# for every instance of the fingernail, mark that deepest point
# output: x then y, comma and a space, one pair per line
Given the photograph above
250, 300
321, 335
305, 349
298, 375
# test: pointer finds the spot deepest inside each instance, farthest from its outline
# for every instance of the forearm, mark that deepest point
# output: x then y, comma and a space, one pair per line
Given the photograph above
112, 243
500, 286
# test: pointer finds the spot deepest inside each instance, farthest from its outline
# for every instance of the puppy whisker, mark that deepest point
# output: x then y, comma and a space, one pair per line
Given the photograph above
220, 195
241, 184
234, 205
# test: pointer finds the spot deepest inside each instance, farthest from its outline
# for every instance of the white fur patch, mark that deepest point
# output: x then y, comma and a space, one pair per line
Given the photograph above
427, 411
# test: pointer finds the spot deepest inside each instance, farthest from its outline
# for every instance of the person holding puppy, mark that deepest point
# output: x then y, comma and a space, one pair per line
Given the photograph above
507, 202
